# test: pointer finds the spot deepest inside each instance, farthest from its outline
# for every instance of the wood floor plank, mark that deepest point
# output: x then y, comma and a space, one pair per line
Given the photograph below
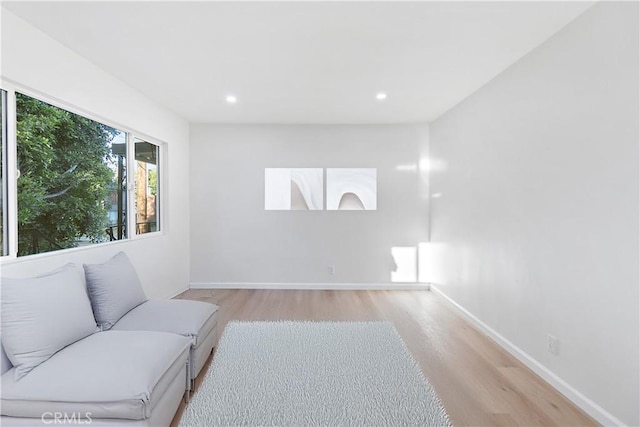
479, 383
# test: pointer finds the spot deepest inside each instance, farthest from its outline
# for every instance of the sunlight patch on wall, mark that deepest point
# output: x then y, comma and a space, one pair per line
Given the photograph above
406, 260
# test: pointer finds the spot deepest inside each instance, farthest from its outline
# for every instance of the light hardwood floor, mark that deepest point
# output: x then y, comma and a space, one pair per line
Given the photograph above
479, 383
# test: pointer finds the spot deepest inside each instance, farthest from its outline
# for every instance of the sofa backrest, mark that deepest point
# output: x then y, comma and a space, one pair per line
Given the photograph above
5, 364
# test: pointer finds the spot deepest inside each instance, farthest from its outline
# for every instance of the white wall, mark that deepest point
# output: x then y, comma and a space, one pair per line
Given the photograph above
37, 62
234, 240
536, 231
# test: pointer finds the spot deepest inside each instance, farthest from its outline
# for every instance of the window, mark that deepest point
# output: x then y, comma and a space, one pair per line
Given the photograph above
147, 195
71, 179
3, 173
72, 186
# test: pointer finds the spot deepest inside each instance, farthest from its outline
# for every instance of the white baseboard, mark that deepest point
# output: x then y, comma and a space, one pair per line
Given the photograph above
173, 294
579, 399
309, 286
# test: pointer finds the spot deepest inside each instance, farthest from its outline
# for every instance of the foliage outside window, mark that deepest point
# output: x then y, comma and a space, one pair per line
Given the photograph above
72, 179
3, 171
146, 187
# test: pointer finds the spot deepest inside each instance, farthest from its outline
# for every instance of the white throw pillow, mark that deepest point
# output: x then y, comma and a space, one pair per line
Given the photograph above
42, 315
114, 289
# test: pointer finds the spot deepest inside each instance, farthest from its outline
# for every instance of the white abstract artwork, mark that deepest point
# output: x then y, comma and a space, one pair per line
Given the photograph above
352, 189
293, 189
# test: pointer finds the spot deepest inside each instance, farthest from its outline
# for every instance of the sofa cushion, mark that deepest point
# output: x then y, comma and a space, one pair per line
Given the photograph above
193, 319
5, 363
42, 315
110, 374
114, 289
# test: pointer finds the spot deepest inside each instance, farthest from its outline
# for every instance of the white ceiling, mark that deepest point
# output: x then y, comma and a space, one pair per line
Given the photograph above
302, 62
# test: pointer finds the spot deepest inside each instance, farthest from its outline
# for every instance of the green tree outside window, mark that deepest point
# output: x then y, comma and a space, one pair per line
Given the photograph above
68, 178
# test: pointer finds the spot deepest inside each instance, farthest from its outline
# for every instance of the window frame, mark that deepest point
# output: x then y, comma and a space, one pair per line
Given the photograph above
131, 150
4, 143
12, 170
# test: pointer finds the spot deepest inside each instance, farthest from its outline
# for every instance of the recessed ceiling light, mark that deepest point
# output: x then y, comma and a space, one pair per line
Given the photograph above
231, 99
381, 96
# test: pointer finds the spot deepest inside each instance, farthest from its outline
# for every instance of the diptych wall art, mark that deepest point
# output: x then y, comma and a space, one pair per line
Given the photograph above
303, 189
292, 189
351, 189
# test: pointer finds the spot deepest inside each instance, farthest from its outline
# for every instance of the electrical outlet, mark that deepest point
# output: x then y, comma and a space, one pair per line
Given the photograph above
552, 344
331, 269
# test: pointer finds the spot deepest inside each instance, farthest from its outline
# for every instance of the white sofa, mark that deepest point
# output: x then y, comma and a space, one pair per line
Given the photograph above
119, 304
194, 319
130, 369
108, 378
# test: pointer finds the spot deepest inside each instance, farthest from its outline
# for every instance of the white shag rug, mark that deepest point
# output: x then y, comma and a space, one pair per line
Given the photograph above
313, 374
